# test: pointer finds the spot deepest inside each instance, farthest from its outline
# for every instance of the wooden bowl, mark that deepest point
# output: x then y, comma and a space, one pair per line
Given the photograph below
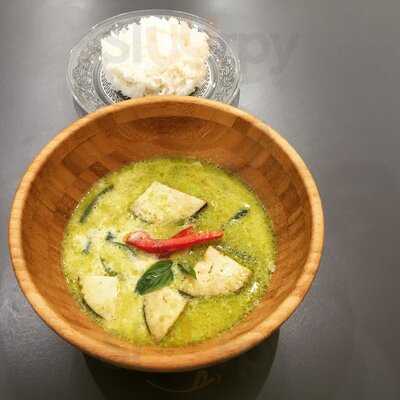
163, 126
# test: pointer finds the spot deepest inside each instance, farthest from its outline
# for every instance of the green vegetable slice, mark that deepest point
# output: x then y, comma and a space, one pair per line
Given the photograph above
107, 269
86, 250
110, 238
124, 247
90, 206
235, 253
242, 212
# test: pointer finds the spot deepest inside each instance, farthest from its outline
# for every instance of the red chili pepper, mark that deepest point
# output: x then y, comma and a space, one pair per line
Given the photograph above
143, 241
184, 232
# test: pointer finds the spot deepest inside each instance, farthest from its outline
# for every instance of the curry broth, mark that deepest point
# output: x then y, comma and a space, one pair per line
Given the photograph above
248, 240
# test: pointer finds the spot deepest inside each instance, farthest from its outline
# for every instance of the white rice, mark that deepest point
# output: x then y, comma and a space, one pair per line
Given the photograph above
158, 56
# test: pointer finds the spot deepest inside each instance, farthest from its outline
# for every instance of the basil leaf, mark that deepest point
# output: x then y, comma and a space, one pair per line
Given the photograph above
156, 277
108, 270
187, 269
94, 201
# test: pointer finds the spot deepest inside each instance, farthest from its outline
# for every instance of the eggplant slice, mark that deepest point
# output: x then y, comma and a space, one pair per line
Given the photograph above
216, 275
162, 205
161, 310
100, 294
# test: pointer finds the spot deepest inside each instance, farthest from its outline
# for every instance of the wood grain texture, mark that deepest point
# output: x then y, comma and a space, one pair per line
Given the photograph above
163, 126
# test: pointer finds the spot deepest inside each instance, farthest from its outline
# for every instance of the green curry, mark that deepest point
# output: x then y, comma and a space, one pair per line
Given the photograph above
101, 268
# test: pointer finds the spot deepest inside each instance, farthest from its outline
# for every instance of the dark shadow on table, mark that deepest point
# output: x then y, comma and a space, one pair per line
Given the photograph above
81, 112
240, 378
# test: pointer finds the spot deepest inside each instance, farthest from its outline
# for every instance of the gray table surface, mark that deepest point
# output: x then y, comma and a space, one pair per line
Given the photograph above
323, 73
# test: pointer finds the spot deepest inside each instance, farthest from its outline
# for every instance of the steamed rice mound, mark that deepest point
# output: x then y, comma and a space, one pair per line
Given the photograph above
158, 56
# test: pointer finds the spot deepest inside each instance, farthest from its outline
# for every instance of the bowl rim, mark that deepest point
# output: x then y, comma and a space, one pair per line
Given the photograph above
157, 12
165, 362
